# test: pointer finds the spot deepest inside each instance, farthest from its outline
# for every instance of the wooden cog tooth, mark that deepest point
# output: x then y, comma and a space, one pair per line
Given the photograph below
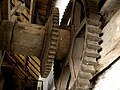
93, 37
93, 29
93, 45
88, 68
56, 18
85, 75
51, 56
55, 29
52, 52
56, 25
93, 22
91, 53
83, 81
90, 60
94, 16
49, 64
53, 43
47, 70
55, 33
53, 47
54, 38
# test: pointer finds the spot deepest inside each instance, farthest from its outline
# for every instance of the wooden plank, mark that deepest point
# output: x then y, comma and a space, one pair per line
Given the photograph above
19, 73
37, 61
17, 5
33, 68
19, 59
32, 73
62, 83
32, 10
77, 14
111, 43
35, 64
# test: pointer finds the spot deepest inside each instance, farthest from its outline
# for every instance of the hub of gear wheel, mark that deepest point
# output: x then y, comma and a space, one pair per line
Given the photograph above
47, 42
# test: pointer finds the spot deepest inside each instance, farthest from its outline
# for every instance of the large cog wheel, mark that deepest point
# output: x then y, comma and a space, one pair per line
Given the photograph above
50, 43
89, 30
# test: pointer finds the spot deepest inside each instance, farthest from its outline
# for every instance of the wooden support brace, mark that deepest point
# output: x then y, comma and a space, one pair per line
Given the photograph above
17, 5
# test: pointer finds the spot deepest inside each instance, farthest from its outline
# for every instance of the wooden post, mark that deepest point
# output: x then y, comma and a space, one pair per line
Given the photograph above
6, 9
32, 9
0, 11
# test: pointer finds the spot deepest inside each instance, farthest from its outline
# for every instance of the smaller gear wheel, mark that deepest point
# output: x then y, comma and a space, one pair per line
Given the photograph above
50, 43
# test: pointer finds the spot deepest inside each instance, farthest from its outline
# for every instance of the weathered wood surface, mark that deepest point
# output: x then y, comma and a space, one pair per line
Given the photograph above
32, 10
109, 9
111, 43
27, 39
6, 9
5, 35
22, 38
0, 11
1, 57
64, 77
17, 5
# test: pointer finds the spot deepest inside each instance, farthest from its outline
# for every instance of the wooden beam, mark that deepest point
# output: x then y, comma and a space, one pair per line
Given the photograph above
111, 43
6, 10
1, 58
17, 5
32, 10
0, 11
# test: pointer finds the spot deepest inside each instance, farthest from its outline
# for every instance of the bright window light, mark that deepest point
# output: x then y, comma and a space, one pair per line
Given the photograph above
61, 4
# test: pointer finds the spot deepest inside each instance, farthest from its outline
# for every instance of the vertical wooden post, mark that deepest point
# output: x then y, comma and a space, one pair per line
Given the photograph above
1, 77
32, 9
0, 11
6, 10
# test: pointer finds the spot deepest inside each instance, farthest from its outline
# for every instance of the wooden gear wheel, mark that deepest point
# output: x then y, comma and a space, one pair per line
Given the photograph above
78, 68
50, 42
